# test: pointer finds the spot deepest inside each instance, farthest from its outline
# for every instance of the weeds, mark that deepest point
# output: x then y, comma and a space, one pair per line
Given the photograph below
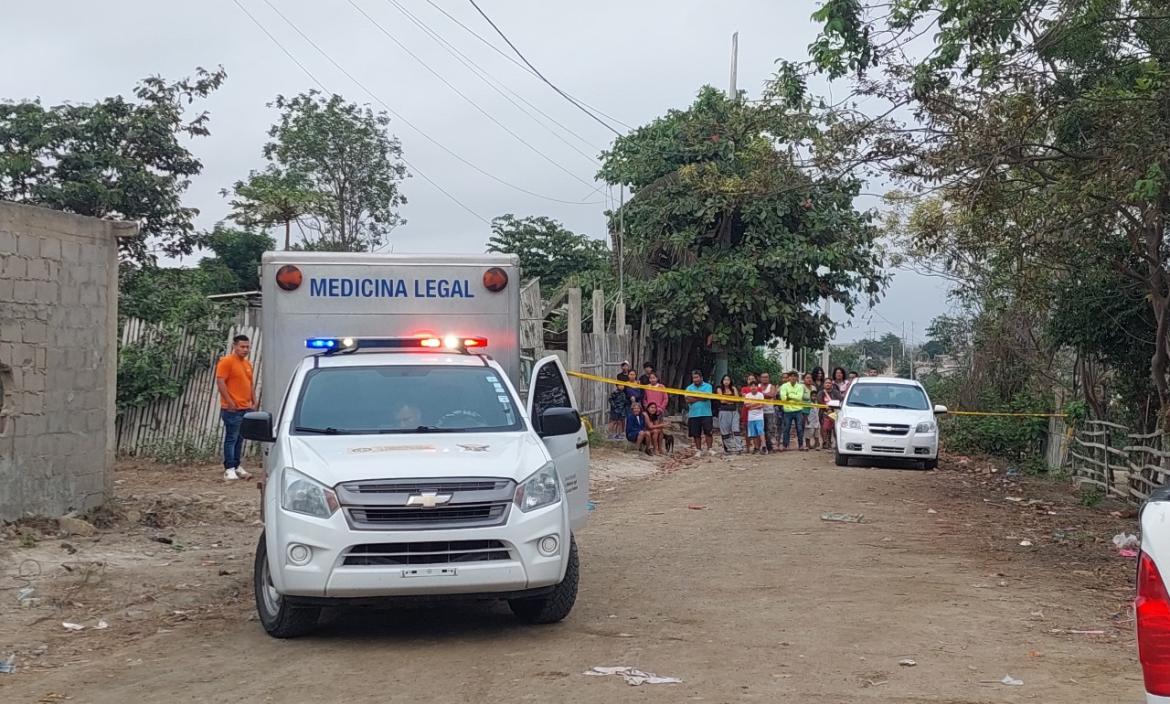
1089, 496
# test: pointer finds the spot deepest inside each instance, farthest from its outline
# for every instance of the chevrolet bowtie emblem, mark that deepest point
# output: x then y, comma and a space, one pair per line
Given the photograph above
428, 499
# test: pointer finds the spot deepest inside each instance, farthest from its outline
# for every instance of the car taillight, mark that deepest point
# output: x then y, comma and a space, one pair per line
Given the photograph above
1152, 607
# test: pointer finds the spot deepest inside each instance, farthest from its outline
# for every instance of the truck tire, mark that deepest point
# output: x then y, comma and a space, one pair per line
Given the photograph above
555, 605
841, 460
280, 618
930, 464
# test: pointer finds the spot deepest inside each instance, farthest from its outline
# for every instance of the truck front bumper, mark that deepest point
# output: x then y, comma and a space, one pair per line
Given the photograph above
347, 563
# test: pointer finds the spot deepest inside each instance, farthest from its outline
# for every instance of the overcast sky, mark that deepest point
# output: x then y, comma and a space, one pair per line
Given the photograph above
631, 60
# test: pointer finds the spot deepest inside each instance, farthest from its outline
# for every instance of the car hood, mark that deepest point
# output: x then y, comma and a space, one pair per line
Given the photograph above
888, 415
344, 458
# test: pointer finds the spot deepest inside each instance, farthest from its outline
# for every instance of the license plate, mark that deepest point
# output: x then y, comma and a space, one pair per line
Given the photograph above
430, 572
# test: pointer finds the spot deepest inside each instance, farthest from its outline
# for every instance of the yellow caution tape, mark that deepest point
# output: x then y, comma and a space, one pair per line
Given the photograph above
697, 394
771, 402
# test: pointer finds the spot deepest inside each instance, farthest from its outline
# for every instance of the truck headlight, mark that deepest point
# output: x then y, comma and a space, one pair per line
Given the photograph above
540, 489
300, 493
851, 423
926, 427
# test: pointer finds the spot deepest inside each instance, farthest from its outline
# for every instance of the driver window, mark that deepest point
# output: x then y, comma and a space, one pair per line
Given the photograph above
549, 390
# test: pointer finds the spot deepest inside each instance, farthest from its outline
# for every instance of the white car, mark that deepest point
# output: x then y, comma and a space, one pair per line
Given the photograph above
887, 418
416, 472
1152, 605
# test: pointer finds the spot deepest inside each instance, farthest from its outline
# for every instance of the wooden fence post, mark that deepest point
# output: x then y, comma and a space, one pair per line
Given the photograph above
598, 310
573, 334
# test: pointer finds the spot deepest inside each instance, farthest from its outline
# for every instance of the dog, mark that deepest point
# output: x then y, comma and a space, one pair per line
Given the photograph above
669, 440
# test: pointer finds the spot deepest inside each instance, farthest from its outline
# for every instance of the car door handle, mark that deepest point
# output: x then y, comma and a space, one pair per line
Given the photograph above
582, 443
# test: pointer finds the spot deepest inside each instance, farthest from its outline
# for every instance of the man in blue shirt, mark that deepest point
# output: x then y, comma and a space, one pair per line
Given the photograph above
699, 422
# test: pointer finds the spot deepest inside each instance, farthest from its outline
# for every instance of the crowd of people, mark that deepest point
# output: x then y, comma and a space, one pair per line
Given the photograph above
757, 416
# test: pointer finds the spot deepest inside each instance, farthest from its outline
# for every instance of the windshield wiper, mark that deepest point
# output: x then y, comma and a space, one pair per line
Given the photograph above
322, 431
894, 405
417, 429
860, 403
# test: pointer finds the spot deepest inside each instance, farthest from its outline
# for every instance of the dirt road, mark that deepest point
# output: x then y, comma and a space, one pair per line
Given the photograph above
752, 598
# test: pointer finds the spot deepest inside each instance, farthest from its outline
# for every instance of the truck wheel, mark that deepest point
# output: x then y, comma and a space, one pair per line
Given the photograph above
557, 604
279, 618
930, 464
841, 460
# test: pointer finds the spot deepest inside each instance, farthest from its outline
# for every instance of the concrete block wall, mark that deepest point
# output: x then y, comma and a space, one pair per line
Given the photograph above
58, 359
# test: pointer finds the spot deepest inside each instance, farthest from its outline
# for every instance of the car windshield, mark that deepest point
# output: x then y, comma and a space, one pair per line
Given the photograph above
902, 396
404, 399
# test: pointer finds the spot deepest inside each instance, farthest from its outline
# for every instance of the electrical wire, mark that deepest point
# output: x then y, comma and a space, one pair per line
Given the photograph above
407, 122
526, 69
321, 85
540, 75
486, 76
467, 98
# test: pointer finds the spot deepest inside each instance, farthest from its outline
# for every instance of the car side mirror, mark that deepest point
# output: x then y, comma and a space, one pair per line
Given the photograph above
559, 421
834, 403
257, 426
940, 410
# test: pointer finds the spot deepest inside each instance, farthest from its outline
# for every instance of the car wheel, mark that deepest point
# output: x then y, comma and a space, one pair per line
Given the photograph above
841, 460
930, 464
555, 605
280, 618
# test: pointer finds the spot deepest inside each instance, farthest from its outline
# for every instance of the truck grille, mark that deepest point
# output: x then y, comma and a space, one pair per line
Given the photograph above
423, 504
441, 486
888, 429
440, 552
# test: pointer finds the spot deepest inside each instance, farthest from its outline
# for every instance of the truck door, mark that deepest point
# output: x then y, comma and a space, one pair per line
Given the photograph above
549, 388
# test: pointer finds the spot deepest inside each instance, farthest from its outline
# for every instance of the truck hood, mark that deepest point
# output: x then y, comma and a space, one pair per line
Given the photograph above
345, 458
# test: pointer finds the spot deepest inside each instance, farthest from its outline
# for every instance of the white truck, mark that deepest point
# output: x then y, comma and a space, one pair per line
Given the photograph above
1152, 605
400, 459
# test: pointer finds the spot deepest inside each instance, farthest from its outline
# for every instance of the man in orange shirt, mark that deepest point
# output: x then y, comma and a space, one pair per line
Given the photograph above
233, 380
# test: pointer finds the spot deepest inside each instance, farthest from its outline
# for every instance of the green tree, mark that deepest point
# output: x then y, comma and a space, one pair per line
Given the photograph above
547, 249
728, 240
341, 155
1046, 126
115, 158
235, 265
273, 197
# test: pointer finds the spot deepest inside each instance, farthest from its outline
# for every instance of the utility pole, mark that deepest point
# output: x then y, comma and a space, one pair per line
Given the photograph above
733, 94
825, 351
732, 91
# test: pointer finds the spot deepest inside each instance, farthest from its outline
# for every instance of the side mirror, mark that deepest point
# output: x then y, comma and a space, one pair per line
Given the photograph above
939, 410
559, 421
257, 426
834, 403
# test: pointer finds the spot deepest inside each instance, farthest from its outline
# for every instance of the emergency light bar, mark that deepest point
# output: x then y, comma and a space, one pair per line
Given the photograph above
352, 344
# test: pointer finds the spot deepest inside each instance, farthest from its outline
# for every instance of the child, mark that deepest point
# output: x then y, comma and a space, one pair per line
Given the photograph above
655, 425
619, 406
755, 414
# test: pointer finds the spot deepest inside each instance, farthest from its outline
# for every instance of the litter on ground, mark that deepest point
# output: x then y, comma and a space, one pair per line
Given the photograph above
632, 676
843, 517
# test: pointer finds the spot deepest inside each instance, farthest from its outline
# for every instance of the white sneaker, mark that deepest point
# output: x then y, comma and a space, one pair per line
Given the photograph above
229, 475
243, 473
698, 454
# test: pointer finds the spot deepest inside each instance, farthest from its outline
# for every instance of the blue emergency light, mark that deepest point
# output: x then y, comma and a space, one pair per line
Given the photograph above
322, 343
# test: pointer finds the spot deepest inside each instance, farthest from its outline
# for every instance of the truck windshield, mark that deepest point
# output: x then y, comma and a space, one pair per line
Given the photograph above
887, 396
404, 399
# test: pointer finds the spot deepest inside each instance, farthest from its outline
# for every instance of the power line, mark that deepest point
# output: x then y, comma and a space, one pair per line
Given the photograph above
486, 76
321, 85
407, 122
526, 69
463, 95
540, 75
